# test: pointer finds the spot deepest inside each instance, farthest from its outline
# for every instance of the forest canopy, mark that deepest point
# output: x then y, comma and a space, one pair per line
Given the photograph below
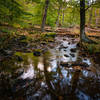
23, 13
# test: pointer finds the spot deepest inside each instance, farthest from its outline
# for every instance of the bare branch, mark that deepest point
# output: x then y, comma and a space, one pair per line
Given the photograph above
93, 3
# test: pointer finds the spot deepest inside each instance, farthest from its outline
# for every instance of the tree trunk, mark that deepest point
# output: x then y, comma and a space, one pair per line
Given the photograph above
45, 15
96, 18
90, 17
99, 19
63, 17
82, 19
57, 21
83, 36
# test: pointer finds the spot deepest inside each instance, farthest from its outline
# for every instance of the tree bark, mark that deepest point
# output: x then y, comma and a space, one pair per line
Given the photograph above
57, 21
63, 15
96, 18
82, 19
83, 36
90, 17
45, 15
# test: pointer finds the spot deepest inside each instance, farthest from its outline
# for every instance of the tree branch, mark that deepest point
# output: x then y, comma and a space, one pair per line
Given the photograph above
93, 3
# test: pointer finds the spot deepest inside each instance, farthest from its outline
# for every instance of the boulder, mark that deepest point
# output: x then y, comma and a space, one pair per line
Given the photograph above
66, 55
19, 58
73, 50
37, 53
73, 55
64, 64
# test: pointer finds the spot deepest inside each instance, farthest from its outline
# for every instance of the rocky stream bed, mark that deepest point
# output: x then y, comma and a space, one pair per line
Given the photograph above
61, 72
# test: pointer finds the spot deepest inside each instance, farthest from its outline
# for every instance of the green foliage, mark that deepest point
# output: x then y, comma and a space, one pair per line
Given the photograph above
93, 48
50, 34
31, 32
5, 30
12, 12
26, 13
9, 10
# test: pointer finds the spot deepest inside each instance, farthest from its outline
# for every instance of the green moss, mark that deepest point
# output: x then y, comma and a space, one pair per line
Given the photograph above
38, 50
31, 32
50, 35
92, 48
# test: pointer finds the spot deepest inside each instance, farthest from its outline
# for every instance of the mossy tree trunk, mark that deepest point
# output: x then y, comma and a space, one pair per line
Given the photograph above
83, 36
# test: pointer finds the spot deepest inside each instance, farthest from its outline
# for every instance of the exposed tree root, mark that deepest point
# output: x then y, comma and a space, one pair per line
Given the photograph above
85, 39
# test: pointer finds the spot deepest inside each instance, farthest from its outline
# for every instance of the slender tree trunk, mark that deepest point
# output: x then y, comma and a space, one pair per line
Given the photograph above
96, 18
90, 17
99, 19
45, 15
83, 36
63, 17
57, 21
82, 19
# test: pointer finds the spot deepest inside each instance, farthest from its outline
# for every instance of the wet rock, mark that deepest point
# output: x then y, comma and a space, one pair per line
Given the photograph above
73, 50
19, 58
65, 47
62, 47
64, 39
65, 50
44, 50
9, 52
51, 46
27, 50
64, 64
6, 52
18, 73
22, 84
37, 53
80, 64
78, 45
23, 37
44, 43
79, 59
84, 55
66, 55
73, 55
69, 43
87, 61
2, 52
73, 39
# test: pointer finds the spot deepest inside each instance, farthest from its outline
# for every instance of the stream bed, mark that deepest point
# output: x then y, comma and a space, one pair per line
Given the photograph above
63, 72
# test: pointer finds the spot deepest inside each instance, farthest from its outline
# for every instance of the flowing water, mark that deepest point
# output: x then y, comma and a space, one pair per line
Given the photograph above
61, 73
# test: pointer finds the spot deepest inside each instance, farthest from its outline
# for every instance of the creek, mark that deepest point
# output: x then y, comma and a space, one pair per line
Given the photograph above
61, 73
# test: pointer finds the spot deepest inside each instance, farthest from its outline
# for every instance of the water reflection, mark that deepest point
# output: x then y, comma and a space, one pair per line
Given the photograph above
52, 76
29, 73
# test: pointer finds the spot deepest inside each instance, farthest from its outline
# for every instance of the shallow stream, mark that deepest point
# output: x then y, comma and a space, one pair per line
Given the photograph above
61, 73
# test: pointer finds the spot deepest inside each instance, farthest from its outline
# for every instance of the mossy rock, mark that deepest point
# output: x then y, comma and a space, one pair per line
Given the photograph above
50, 35
19, 58
37, 52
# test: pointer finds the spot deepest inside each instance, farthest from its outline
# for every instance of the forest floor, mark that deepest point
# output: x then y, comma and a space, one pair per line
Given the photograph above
29, 38
27, 47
